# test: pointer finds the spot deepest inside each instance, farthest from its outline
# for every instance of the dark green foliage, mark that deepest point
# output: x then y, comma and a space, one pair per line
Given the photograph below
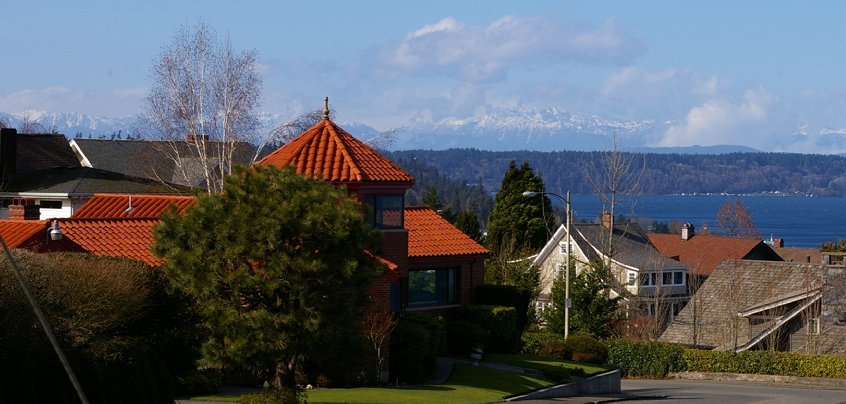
507, 295
534, 340
279, 264
456, 194
645, 359
199, 381
659, 227
592, 311
664, 174
528, 221
766, 363
415, 342
557, 350
462, 336
585, 348
274, 396
561, 374
124, 335
500, 321
468, 222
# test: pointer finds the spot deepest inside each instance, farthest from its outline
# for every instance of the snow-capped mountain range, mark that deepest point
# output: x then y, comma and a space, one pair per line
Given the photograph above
520, 129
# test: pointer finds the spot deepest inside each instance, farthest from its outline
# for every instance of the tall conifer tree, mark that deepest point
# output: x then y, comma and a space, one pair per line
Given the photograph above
526, 222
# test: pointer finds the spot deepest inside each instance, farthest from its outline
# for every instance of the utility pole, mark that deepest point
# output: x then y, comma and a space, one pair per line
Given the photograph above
567, 303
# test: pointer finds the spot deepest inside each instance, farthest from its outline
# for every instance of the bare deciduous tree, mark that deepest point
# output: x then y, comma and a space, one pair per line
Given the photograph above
203, 102
380, 326
736, 221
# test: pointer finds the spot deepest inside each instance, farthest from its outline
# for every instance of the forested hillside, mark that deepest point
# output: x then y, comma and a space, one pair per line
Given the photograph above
662, 174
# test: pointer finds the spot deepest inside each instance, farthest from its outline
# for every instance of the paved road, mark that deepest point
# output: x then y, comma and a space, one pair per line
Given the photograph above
708, 392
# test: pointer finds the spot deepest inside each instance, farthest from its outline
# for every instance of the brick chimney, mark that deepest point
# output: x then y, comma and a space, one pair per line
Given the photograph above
607, 220
778, 242
24, 209
8, 152
687, 231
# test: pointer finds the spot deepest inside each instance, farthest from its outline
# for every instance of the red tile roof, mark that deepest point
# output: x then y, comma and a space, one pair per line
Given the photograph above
129, 238
430, 235
19, 233
703, 252
107, 206
327, 152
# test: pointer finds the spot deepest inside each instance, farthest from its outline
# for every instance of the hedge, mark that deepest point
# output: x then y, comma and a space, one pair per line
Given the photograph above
645, 359
535, 340
766, 363
500, 321
415, 342
657, 359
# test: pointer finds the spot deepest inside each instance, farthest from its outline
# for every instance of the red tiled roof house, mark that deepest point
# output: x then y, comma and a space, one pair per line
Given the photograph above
428, 250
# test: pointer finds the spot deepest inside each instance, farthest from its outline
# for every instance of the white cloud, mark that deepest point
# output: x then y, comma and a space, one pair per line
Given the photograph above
725, 121
486, 53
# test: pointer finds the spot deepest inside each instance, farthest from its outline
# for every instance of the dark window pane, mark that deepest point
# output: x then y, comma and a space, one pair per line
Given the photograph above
678, 277
432, 287
667, 278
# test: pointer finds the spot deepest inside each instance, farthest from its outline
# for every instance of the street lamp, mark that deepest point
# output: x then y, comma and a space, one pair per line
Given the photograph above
567, 303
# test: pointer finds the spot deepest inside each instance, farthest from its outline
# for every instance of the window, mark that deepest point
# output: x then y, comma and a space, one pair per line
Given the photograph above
432, 287
814, 326
632, 277
562, 248
678, 278
667, 278
50, 204
647, 279
385, 211
560, 267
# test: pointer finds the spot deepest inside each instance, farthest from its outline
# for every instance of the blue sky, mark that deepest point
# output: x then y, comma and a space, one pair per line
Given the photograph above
716, 72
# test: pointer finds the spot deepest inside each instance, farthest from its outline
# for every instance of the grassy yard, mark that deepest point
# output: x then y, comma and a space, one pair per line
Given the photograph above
468, 384
543, 363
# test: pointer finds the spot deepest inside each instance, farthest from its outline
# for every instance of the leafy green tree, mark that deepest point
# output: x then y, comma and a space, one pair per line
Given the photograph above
279, 265
528, 221
468, 222
592, 310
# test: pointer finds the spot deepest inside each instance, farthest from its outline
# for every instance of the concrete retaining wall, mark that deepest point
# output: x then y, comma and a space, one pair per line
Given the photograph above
605, 383
807, 381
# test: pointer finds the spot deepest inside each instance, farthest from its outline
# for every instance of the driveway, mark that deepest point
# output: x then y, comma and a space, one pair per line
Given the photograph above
713, 392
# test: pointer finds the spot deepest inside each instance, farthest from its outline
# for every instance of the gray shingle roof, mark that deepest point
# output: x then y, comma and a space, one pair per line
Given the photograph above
38, 152
86, 181
629, 246
151, 159
734, 287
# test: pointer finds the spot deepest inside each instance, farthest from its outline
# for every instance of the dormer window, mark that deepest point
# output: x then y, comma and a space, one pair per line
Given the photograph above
385, 211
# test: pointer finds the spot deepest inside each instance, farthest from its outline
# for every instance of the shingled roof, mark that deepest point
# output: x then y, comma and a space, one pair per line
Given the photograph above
151, 158
129, 238
327, 152
113, 206
37, 152
86, 181
704, 252
736, 290
430, 235
630, 246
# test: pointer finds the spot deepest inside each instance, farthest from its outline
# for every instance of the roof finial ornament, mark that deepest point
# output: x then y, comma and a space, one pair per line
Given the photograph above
326, 108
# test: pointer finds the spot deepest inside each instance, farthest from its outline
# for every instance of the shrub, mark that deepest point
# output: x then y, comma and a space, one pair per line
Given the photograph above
585, 348
416, 340
500, 321
558, 350
534, 340
105, 313
560, 374
646, 359
462, 336
266, 396
506, 295
199, 381
766, 362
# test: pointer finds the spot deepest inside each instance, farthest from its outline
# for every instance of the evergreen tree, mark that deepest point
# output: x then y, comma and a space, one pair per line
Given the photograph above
592, 310
278, 263
468, 222
528, 221
432, 200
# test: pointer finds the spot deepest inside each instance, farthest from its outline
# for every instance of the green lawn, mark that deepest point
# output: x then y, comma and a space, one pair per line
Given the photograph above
542, 362
468, 384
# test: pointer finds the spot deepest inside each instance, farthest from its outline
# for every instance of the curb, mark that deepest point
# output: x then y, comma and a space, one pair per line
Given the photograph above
837, 384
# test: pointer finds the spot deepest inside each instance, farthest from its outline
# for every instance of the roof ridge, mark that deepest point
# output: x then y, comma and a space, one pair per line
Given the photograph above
344, 147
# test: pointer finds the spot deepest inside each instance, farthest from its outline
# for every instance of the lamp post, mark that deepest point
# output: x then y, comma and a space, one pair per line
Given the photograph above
567, 304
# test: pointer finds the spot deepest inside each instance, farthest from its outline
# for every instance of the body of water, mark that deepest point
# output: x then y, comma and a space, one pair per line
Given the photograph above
800, 221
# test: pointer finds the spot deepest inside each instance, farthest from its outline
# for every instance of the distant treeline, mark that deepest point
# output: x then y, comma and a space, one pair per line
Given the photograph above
662, 174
